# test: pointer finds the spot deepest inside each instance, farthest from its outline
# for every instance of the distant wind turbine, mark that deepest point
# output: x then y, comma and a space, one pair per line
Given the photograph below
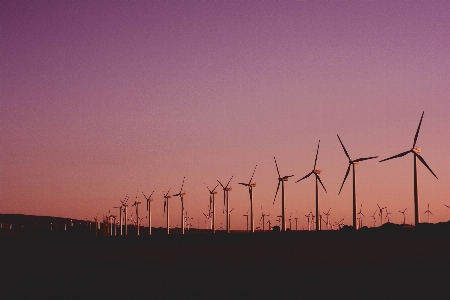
213, 206
125, 209
403, 212
136, 203
166, 205
352, 163
316, 173
246, 218
360, 218
281, 180
226, 189
416, 152
263, 216
149, 209
428, 212
250, 186
381, 213
181, 194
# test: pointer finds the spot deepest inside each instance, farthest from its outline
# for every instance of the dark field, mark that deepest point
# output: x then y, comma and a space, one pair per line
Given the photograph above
370, 263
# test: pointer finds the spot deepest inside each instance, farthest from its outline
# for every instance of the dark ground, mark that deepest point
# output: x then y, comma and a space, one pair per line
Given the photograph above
387, 262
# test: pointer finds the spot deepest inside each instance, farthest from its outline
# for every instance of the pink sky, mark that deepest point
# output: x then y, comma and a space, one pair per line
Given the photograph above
104, 99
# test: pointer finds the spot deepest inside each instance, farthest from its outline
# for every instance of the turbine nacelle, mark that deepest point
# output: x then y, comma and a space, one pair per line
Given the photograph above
317, 172
416, 150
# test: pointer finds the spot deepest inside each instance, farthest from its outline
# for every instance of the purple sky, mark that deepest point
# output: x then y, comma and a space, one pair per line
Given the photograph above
104, 99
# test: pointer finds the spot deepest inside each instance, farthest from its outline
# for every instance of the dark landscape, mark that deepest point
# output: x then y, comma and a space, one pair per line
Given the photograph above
388, 261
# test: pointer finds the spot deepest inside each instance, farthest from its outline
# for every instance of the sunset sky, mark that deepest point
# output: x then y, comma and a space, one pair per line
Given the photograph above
103, 99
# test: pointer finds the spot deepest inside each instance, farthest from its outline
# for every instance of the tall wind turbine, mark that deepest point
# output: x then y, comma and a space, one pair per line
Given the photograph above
149, 209
226, 189
352, 163
281, 181
212, 204
316, 173
166, 203
181, 194
416, 152
250, 191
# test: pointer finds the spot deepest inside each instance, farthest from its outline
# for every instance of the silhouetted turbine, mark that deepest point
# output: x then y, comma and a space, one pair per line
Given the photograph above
416, 152
250, 191
213, 205
226, 189
181, 194
281, 180
316, 173
352, 163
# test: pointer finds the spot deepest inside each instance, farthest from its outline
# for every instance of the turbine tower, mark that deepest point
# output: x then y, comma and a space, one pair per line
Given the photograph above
416, 152
149, 209
166, 203
136, 203
316, 173
226, 189
381, 213
428, 212
125, 209
281, 181
403, 212
212, 204
352, 163
250, 191
181, 194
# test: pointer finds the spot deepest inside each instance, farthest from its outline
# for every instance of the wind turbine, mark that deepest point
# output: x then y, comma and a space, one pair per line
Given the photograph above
125, 209
416, 152
181, 194
268, 221
360, 218
387, 215
120, 217
226, 189
166, 203
212, 204
328, 214
428, 212
309, 223
316, 173
149, 209
281, 180
136, 203
352, 163
447, 207
263, 216
381, 213
403, 212
296, 219
250, 191
374, 218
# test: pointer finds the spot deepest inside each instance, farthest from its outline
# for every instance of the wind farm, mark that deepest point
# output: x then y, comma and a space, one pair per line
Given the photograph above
102, 102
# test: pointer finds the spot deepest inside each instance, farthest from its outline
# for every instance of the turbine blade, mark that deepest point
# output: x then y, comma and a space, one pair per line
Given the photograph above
182, 184
276, 193
252, 175
321, 183
365, 158
317, 153
345, 177
417, 132
304, 177
279, 176
423, 161
220, 184
345, 150
395, 156
214, 188
229, 181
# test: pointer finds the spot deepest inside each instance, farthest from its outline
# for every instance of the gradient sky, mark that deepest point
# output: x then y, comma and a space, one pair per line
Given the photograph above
104, 99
